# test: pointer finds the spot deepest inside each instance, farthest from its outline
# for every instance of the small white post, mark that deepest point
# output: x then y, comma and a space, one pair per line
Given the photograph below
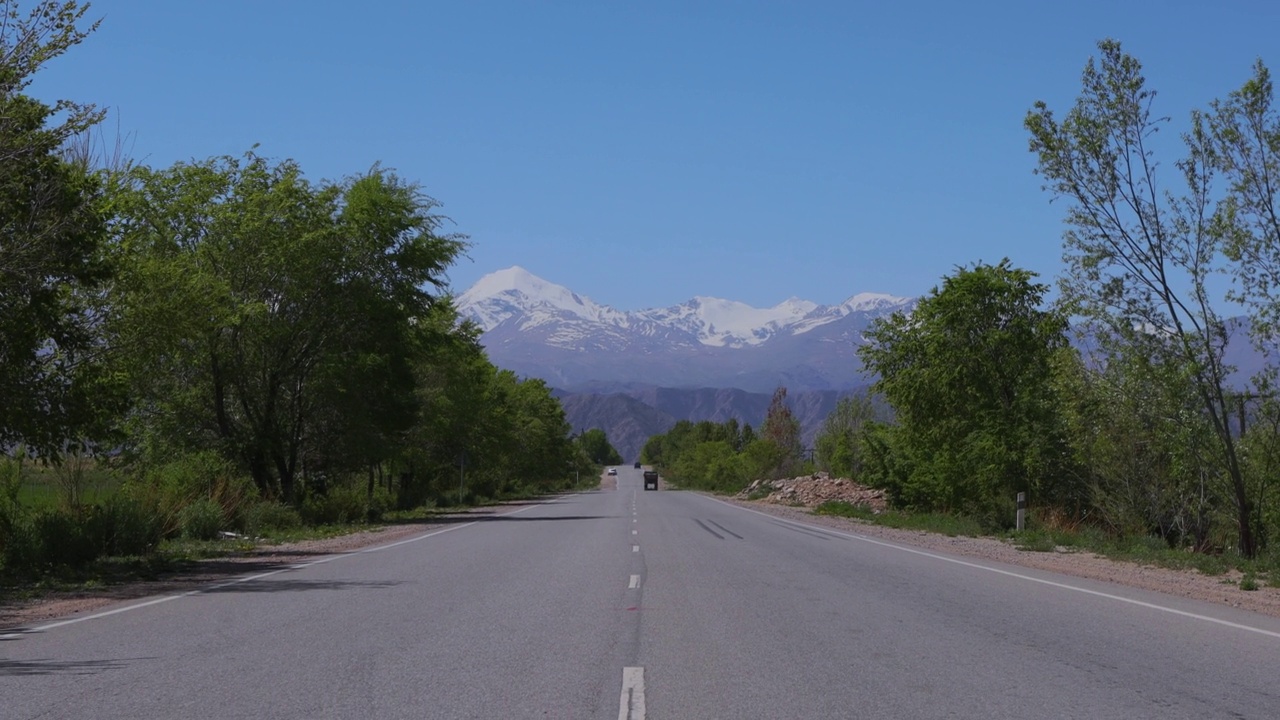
1022, 511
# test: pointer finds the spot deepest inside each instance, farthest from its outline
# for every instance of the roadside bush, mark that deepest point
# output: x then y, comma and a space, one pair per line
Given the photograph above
19, 548
381, 502
201, 520
265, 516
46, 538
178, 483
338, 506
32, 541
126, 526
66, 537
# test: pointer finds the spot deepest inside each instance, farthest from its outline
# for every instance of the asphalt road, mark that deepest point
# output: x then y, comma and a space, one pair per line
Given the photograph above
632, 604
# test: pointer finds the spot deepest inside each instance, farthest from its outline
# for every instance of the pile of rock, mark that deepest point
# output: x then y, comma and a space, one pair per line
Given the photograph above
813, 490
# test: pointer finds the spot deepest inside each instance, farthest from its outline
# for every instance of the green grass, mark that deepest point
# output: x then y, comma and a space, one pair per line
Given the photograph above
843, 508
50, 487
1148, 550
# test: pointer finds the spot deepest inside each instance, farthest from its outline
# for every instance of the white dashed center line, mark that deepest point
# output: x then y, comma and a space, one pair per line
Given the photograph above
631, 702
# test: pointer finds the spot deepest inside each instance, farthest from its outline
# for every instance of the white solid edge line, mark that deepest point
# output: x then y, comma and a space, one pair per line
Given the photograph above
631, 701
635, 582
198, 591
1010, 573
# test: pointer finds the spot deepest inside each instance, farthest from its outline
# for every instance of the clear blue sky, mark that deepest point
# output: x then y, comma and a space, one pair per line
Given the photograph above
641, 153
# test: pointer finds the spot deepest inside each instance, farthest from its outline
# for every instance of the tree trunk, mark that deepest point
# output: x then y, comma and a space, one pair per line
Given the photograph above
287, 488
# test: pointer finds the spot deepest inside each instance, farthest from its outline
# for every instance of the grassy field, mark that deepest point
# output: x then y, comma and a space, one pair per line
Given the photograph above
75, 483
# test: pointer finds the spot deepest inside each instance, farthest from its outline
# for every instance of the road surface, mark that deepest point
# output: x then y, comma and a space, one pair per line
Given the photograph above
632, 604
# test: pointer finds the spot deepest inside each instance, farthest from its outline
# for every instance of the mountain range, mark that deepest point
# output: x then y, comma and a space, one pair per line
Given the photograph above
634, 374
540, 329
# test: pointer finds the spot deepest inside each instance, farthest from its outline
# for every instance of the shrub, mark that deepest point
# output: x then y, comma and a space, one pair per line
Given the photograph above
21, 550
381, 502
66, 537
338, 506
201, 520
128, 526
266, 516
178, 483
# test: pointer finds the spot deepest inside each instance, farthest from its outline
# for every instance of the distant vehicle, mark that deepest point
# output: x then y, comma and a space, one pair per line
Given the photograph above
650, 479
613, 471
637, 464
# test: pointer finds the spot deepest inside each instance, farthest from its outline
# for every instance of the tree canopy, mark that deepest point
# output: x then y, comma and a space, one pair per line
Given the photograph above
967, 374
1141, 250
51, 237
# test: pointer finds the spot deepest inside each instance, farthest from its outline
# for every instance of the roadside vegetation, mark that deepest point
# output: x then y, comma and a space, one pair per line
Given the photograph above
226, 351
1112, 408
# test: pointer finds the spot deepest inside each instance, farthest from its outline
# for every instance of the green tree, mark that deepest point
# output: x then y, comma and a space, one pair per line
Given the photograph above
273, 319
711, 465
461, 413
968, 376
597, 446
782, 429
541, 448
1138, 439
1240, 137
51, 233
1138, 256
839, 444
708, 455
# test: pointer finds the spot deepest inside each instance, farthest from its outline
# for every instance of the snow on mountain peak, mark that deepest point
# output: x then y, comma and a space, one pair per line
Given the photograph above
514, 278
862, 302
729, 322
515, 293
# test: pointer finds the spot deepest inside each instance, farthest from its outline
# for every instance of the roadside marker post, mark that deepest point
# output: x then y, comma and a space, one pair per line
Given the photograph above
1022, 511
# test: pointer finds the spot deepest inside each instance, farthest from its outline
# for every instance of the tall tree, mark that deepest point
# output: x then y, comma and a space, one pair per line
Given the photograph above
51, 232
782, 429
274, 319
968, 376
596, 444
1139, 257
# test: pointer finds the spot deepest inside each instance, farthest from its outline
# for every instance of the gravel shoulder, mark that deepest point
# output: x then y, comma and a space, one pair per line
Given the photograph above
1218, 589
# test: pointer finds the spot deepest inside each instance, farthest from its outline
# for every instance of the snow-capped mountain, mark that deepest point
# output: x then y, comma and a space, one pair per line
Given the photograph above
541, 329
